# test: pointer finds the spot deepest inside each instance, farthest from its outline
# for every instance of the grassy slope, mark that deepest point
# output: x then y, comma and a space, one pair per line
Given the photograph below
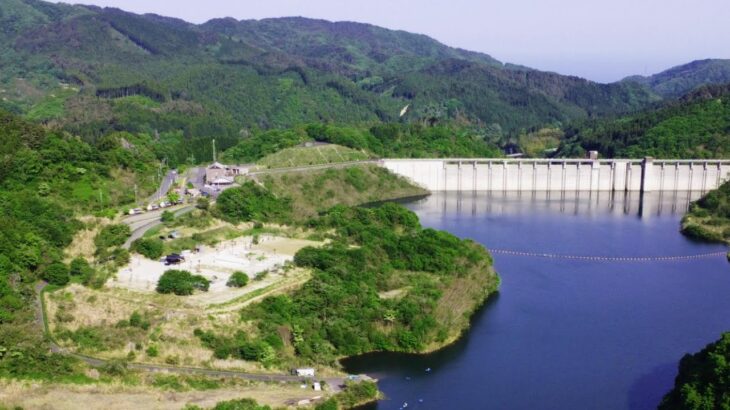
315, 191
315, 155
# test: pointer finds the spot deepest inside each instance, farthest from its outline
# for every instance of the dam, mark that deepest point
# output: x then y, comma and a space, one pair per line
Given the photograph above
562, 175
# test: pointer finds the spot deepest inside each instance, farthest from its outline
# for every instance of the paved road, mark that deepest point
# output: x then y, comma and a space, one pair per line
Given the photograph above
336, 382
139, 224
165, 186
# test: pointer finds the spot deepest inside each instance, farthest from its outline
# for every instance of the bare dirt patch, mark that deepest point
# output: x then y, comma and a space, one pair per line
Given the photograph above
216, 263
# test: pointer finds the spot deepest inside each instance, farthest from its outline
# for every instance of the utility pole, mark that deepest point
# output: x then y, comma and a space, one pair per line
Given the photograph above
136, 200
214, 156
101, 200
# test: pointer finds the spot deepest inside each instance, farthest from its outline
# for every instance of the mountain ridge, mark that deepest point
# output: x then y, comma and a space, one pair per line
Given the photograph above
93, 70
679, 80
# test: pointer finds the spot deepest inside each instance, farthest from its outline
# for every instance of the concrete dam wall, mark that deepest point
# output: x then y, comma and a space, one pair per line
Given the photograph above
562, 175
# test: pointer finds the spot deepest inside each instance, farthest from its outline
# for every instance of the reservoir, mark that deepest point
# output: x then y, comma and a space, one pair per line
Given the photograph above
566, 333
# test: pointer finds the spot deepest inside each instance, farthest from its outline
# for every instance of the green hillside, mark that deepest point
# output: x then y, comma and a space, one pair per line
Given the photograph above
47, 179
708, 218
382, 140
696, 126
682, 79
70, 66
311, 155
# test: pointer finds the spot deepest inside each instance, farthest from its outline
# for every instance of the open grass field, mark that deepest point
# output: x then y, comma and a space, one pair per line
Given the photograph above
314, 155
160, 393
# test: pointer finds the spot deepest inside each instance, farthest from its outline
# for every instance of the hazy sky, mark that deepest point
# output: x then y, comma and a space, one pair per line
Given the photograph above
600, 40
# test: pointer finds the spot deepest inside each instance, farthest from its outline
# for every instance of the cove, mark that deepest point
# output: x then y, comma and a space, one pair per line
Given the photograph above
564, 333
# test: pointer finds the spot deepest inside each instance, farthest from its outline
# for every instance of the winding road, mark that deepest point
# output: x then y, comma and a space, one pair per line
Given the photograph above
141, 223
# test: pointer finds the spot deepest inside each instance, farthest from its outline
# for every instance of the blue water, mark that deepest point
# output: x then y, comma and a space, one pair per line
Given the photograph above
567, 334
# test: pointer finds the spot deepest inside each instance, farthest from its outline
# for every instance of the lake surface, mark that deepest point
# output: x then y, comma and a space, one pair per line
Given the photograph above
567, 334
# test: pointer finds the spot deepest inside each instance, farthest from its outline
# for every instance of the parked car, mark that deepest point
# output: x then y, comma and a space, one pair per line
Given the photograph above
174, 259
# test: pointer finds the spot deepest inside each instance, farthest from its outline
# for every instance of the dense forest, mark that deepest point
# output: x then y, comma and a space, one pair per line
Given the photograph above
704, 379
47, 178
68, 65
678, 81
382, 140
695, 126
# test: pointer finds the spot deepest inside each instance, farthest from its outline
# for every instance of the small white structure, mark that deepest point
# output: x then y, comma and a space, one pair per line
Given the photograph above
219, 174
317, 386
305, 372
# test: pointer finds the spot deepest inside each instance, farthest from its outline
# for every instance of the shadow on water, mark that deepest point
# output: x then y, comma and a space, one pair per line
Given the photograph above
379, 363
645, 392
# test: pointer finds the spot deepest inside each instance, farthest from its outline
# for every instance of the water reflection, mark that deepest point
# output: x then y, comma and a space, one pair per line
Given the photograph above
577, 203
567, 334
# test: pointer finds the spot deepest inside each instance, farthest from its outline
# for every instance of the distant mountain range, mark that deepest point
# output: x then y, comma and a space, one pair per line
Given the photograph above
680, 80
93, 70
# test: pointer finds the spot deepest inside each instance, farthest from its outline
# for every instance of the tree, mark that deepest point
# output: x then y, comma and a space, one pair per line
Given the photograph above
703, 381
252, 202
173, 197
149, 248
181, 282
80, 267
237, 280
56, 274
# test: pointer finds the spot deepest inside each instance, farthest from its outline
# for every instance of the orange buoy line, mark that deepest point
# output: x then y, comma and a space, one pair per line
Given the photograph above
608, 258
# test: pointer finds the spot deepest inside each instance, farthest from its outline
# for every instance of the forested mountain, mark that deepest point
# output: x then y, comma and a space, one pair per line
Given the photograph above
695, 126
678, 81
94, 70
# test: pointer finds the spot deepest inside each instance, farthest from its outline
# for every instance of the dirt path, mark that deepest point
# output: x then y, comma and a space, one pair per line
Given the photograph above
96, 362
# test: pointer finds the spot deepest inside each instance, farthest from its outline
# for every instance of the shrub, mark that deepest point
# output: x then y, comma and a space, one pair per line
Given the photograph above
136, 320
202, 203
112, 235
181, 282
237, 280
167, 216
700, 232
56, 274
152, 351
80, 267
119, 256
330, 404
240, 404
149, 248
